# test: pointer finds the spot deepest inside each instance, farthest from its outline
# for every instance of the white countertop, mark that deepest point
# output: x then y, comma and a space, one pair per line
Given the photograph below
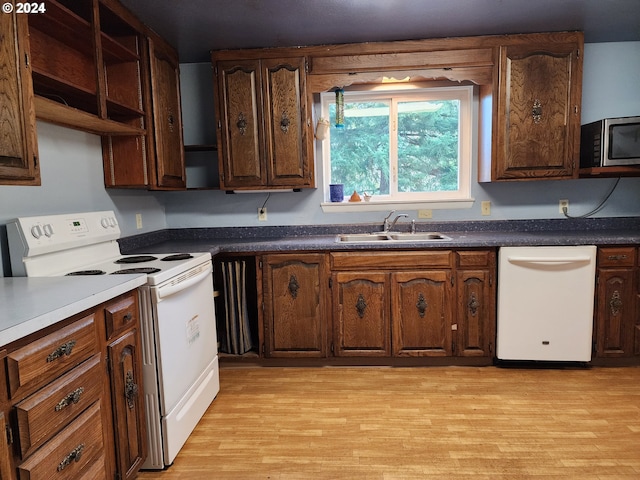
28, 304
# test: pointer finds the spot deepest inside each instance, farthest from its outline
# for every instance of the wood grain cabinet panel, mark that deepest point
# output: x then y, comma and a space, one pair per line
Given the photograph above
422, 313
127, 399
617, 309
42, 414
73, 393
538, 109
265, 136
19, 163
615, 313
167, 116
361, 314
38, 363
295, 296
474, 329
239, 115
71, 452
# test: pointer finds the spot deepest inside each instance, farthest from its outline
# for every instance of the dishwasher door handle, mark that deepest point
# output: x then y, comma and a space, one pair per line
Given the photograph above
549, 260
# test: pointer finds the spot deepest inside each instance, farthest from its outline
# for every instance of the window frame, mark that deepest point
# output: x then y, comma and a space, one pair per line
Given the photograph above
429, 91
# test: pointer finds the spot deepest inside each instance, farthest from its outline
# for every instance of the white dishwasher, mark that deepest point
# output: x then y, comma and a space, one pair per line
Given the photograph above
545, 303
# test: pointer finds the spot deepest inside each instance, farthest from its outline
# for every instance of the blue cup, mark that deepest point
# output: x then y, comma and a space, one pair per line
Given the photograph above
336, 192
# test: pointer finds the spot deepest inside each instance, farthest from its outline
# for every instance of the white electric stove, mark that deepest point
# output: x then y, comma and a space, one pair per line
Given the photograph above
180, 361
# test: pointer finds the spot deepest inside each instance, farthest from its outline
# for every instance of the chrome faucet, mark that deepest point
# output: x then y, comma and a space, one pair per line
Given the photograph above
385, 222
389, 227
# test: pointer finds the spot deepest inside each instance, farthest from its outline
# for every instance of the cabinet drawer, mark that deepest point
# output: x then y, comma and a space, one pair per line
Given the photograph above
617, 257
483, 258
36, 364
393, 260
121, 314
71, 452
45, 412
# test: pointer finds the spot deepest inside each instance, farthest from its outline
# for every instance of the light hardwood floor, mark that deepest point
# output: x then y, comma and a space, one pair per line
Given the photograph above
380, 423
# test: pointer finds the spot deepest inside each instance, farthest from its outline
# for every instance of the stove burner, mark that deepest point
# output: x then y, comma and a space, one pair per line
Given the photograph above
85, 272
177, 256
137, 259
137, 270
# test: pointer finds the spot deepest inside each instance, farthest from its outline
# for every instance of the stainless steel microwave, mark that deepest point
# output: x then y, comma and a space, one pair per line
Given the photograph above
610, 142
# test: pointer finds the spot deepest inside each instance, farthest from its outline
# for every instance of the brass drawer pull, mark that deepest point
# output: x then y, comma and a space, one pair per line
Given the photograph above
127, 317
74, 456
73, 397
62, 350
617, 257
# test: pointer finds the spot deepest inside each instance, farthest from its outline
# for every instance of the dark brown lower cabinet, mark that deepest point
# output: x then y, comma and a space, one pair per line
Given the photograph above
422, 313
617, 322
426, 303
294, 305
360, 302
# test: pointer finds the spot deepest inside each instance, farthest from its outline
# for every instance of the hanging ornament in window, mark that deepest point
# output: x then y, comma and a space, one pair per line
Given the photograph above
339, 108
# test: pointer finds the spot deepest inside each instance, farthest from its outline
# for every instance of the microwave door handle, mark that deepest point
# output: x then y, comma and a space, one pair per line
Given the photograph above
166, 291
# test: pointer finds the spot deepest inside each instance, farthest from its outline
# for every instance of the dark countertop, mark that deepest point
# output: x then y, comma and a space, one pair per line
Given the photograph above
252, 240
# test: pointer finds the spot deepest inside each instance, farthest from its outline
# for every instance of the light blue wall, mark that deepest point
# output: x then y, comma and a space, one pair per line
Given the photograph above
610, 88
72, 181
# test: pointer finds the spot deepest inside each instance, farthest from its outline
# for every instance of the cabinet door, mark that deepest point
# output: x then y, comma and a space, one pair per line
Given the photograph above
167, 120
239, 105
127, 400
538, 119
475, 328
361, 314
294, 296
18, 143
422, 313
5, 451
285, 114
615, 313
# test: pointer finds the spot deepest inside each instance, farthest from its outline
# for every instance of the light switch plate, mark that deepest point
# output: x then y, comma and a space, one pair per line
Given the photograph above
485, 207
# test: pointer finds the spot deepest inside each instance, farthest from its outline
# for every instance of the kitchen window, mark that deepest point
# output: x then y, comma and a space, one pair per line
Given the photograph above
405, 145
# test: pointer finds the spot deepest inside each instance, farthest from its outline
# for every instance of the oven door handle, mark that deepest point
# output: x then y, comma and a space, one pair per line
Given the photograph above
173, 288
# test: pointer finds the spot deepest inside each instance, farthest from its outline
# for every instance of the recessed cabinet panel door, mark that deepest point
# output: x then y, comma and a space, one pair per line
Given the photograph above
422, 313
295, 316
128, 404
18, 144
241, 128
538, 114
284, 115
361, 314
615, 318
475, 328
167, 117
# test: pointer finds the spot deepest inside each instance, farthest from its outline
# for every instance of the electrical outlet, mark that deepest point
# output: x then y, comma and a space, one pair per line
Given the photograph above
485, 208
262, 214
138, 221
425, 213
562, 205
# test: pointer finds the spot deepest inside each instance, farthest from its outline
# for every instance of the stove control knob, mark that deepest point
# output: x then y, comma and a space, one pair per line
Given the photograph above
104, 222
113, 222
48, 230
36, 231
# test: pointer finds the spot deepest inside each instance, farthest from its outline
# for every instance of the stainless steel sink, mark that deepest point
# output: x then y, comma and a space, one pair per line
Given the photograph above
391, 237
419, 237
363, 237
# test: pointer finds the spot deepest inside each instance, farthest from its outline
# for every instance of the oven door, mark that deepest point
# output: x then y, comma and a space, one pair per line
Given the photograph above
185, 332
